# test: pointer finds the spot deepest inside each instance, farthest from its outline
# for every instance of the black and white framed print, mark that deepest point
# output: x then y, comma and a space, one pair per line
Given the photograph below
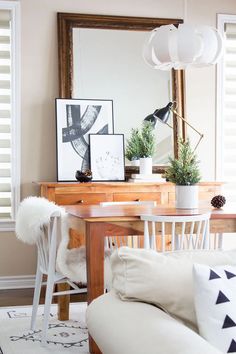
75, 120
107, 161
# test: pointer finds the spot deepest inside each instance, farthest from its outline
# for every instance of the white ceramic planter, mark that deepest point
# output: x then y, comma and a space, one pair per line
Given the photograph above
186, 197
145, 166
134, 162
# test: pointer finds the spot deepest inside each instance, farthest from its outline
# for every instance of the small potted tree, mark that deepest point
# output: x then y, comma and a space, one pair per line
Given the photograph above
132, 147
146, 147
184, 172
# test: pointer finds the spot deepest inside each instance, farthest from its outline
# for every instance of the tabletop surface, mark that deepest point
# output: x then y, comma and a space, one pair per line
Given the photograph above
134, 211
75, 183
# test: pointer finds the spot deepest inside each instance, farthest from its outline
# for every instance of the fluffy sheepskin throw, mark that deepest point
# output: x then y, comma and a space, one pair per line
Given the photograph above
33, 214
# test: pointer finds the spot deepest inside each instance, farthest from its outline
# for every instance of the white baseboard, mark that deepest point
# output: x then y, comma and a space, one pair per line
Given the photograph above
17, 282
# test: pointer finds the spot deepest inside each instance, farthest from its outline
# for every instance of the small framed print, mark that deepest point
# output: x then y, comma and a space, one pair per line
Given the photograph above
75, 120
107, 161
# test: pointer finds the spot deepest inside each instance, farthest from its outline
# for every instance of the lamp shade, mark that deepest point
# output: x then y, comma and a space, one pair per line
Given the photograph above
170, 47
161, 114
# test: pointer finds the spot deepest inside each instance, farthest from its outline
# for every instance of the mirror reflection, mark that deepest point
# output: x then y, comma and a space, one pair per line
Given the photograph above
100, 57
108, 64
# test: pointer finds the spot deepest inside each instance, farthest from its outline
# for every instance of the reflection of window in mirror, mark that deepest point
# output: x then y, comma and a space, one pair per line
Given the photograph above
226, 107
108, 64
9, 112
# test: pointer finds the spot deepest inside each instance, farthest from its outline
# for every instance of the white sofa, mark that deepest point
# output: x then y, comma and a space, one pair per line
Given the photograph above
123, 327
124, 321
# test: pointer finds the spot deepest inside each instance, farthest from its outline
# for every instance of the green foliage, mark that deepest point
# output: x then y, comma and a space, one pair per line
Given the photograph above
147, 140
185, 169
132, 146
141, 142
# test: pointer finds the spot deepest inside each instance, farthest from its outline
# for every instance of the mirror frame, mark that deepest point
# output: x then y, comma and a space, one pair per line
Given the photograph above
67, 21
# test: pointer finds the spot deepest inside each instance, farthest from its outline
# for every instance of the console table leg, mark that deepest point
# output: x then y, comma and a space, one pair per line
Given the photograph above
93, 348
63, 303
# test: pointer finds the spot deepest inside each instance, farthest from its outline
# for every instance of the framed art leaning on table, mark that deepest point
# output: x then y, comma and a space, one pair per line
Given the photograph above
107, 161
75, 120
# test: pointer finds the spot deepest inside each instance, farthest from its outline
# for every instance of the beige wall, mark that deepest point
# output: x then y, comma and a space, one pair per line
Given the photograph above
40, 87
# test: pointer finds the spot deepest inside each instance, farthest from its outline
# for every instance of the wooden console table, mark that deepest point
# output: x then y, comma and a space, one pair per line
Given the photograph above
73, 193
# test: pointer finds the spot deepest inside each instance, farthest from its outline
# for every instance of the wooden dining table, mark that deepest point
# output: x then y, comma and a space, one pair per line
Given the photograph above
94, 222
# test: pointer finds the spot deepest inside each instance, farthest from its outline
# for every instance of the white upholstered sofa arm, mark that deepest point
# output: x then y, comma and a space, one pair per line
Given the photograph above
122, 327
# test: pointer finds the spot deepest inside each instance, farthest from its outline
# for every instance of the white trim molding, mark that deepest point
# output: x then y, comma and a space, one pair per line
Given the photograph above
219, 104
17, 282
222, 19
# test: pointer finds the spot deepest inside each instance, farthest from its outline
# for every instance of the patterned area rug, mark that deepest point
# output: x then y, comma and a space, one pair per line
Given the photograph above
63, 337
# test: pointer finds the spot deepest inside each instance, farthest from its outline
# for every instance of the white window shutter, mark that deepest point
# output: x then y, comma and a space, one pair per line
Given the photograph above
5, 116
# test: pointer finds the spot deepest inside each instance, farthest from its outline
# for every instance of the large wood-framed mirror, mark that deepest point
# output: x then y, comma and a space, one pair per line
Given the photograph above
101, 57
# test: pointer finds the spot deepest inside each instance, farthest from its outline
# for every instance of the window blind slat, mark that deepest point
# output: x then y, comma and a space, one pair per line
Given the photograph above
5, 99
4, 69
4, 84
5, 121
5, 172
229, 119
5, 54
230, 77
230, 132
4, 37
5, 143
4, 24
230, 91
5, 115
5, 128
230, 28
5, 210
5, 188
5, 158
230, 104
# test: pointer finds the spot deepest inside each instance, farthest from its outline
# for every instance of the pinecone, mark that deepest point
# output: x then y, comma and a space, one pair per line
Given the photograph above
218, 201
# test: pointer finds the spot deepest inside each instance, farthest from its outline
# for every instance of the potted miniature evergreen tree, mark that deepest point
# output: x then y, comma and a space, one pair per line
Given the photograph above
141, 146
132, 147
184, 172
146, 147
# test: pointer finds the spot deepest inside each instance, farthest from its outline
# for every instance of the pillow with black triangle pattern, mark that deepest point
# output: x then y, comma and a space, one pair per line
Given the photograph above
215, 305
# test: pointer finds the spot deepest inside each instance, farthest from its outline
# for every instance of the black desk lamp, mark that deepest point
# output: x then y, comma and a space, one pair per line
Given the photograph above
163, 114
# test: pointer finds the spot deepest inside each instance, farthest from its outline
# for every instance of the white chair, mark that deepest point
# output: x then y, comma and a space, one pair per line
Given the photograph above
39, 222
47, 247
113, 242
193, 234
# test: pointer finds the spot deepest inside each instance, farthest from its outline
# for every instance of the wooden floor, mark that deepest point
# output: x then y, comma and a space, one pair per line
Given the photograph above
22, 297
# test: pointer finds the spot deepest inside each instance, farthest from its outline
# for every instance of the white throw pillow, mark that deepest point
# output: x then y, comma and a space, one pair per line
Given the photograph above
215, 304
163, 279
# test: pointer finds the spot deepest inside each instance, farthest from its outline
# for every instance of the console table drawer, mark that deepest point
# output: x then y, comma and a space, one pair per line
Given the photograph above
80, 198
133, 196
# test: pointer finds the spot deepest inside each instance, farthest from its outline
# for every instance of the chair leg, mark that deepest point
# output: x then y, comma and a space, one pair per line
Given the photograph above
48, 301
37, 290
176, 243
220, 241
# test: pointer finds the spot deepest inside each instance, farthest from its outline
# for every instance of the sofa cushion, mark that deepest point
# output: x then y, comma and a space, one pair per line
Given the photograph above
123, 327
163, 279
215, 304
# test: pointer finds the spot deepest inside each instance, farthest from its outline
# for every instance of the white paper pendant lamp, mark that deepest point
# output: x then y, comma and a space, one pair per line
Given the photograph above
170, 47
